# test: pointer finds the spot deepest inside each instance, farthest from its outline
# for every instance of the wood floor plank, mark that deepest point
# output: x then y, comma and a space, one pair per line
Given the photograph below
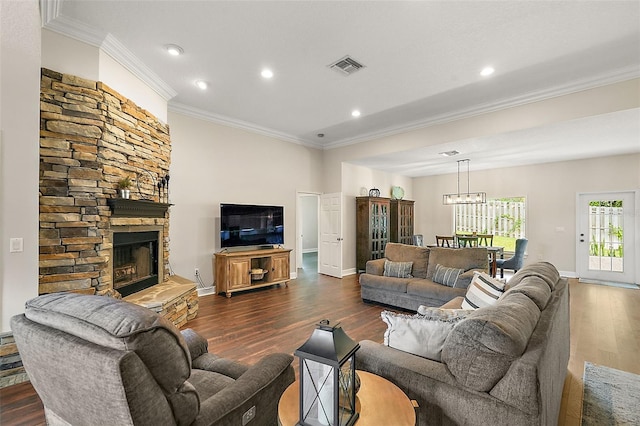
251, 324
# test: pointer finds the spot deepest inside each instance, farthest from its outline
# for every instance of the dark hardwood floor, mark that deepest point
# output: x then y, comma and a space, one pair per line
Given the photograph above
604, 330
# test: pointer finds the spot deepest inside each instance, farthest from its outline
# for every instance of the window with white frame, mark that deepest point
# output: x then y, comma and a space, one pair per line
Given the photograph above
504, 218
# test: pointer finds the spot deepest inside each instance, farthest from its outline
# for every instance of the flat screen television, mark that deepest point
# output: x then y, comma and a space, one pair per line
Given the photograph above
251, 225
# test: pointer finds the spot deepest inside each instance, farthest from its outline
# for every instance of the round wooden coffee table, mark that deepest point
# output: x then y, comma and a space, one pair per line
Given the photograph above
379, 402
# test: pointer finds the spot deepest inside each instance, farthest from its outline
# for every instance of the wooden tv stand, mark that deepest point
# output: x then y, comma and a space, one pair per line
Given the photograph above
233, 269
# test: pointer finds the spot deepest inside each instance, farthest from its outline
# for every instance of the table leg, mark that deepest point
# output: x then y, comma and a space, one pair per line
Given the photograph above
494, 266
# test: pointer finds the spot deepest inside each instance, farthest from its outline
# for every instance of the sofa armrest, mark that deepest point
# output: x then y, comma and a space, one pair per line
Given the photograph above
375, 267
197, 344
211, 362
465, 278
260, 386
453, 303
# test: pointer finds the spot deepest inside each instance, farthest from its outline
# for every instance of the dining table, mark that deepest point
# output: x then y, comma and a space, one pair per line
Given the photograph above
494, 252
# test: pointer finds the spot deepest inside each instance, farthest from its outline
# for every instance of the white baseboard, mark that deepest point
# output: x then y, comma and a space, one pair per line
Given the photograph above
311, 250
293, 275
205, 291
568, 274
350, 271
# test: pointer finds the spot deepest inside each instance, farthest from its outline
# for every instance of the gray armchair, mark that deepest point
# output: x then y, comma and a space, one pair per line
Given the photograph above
516, 261
99, 360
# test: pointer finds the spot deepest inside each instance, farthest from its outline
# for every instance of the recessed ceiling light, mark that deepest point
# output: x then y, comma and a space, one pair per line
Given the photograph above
174, 50
266, 73
449, 153
355, 113
202, 85
320, 135
487, 71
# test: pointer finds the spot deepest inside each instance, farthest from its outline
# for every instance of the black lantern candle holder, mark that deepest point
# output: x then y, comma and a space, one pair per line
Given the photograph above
327, 377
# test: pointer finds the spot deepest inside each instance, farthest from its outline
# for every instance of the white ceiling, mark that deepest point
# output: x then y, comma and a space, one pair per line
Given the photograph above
422, 60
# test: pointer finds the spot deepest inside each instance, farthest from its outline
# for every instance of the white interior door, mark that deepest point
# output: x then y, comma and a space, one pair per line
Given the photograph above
606, 246
330, 256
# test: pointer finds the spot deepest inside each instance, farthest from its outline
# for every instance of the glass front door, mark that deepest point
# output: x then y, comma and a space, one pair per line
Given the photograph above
606, 234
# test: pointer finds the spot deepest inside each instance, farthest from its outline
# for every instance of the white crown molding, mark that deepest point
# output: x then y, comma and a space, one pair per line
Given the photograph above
615, 76
127, 59
49, 10
69, 27
239, 124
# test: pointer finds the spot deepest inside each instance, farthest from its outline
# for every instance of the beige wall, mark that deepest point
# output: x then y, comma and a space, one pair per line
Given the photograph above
213, 164
19, 130
550, 189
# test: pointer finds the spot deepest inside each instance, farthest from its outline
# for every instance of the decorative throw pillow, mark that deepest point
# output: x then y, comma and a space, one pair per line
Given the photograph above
397, 269
446, 276
483, 291
418, 334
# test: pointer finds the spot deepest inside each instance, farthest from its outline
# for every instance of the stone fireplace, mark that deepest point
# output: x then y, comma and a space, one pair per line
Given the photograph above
90, 240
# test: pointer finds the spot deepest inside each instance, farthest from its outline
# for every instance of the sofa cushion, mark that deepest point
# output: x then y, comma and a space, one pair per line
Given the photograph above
421, 335
430, 290
397, 269
397, 252
544, 270
480, 348
483, 291
446, 276
533, 287
398, 285
467, 259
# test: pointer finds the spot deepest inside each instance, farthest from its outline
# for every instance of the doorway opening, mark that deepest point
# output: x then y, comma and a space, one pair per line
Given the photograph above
307, 241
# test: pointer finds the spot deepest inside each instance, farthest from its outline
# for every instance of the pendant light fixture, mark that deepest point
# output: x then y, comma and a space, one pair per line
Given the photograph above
464, 197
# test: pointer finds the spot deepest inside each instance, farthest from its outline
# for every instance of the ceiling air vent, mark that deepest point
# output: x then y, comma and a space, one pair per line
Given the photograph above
346, 65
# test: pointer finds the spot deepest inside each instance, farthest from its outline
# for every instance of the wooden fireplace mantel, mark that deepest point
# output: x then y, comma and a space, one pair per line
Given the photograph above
121, 207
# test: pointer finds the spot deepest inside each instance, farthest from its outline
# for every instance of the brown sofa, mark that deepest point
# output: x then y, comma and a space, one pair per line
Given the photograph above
410, 293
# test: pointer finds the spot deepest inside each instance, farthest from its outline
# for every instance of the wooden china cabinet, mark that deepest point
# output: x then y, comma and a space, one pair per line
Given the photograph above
372, 229
401, 221
381, 220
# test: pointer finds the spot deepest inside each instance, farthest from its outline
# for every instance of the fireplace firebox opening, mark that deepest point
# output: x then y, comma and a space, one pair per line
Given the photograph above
135, 261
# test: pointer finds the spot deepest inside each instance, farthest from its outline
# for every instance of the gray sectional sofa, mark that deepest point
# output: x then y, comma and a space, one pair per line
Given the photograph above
503, 364
410, 293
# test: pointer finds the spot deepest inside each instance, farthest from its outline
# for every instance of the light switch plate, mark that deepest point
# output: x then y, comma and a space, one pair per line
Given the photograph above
16, 245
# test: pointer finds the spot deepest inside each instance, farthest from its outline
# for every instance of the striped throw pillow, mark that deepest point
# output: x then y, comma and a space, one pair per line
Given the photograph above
483, 291
397, 269
446, 276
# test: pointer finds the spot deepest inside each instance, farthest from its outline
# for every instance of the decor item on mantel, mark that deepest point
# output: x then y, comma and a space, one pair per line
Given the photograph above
162, 184
465, 197
374, 192
146, 180
123, 185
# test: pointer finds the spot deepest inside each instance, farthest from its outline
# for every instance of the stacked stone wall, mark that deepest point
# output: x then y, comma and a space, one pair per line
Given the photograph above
90, 138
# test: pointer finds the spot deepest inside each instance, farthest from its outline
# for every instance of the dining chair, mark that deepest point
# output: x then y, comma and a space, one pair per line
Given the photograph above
467, 240
485, 240
445, 241
418, 240
515, 262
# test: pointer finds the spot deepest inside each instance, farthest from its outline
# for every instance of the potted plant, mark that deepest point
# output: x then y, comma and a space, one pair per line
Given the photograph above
123, 186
